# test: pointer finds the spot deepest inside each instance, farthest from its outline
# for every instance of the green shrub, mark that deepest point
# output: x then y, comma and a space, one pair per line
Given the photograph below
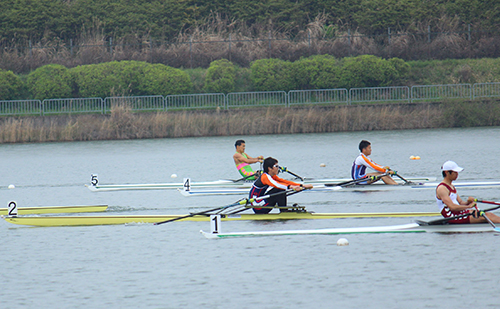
160, 79
220, 77
367, 71
316, 72
11, 86
272, 75
51, 81
129, 78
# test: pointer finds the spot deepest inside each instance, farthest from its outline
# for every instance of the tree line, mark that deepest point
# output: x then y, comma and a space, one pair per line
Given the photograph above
52, 20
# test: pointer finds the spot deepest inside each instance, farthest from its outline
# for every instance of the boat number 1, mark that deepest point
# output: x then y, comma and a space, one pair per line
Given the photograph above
93, 179
12, 211
215, 224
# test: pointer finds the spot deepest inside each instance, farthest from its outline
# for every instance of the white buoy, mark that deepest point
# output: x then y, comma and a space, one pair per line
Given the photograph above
173, 176
342, 242
11, 186
322, 165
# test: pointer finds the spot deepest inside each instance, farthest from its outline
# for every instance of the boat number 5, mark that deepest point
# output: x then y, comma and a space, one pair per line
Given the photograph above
93, 179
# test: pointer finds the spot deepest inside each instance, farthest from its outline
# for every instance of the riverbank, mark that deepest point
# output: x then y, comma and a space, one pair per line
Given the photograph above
123, 124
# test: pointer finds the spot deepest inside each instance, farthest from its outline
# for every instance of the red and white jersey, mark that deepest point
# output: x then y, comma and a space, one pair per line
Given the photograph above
446, 211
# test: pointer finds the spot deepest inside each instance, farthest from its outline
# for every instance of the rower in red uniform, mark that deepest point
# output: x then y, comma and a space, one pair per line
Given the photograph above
362, 161
450, 204
269, 178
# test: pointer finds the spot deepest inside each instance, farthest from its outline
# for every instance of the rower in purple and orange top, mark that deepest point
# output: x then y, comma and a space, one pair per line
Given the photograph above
269, 178
452, 205
243, 161
362, 162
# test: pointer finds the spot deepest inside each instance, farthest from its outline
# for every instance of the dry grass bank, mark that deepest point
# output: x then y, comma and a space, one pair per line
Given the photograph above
123, 124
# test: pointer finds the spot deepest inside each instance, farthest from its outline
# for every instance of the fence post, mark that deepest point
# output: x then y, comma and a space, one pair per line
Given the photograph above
389, 34
469, 31
429, 33
71, 46
31, 52
111, 45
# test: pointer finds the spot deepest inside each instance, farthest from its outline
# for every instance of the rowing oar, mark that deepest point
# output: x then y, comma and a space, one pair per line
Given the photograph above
238, 203
355, 181
401, 177
292, 192
486, 202
284, 169
444, 220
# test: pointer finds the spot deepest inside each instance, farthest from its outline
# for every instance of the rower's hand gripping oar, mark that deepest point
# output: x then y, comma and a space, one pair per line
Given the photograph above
284, 169
238, 203
482, 213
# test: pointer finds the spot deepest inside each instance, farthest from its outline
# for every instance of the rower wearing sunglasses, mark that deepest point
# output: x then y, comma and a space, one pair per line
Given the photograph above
269, 178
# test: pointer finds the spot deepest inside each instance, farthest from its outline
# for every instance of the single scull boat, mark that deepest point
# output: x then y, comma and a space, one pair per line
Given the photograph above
128, 219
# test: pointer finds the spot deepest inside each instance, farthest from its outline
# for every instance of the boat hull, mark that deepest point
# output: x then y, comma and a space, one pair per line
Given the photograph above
405, 228
218, 184
131, 219
56, 209
323, 188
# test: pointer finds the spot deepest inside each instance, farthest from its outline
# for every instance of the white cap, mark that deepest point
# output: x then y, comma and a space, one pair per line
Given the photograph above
451, 166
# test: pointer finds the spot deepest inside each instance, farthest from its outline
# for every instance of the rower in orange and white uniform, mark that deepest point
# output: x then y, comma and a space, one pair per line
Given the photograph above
362, 161
270, 179
243, 161
451, 205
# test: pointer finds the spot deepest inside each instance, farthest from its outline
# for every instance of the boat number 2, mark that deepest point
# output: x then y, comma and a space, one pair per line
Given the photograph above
12, 209
93, 179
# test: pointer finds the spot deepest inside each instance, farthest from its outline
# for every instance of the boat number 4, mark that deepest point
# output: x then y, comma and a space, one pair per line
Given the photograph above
12, 210
215, 224
187, 184
93, 179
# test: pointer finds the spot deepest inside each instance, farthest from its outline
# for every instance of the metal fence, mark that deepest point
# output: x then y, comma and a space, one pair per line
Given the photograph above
379, 94
441, 92
321, 96
138, 103
325, 97
486, 90
261, 98
72, 106
191, 101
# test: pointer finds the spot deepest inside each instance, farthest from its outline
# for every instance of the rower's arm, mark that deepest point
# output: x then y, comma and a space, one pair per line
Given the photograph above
443, 194
241, 159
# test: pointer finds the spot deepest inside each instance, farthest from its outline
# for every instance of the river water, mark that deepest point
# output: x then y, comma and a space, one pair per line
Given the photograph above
173, 266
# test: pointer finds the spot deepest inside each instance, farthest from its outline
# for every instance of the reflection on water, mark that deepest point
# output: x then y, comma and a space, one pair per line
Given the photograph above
171, 265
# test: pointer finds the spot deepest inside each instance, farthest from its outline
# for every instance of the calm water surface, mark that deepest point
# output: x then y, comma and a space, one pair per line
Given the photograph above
173, 266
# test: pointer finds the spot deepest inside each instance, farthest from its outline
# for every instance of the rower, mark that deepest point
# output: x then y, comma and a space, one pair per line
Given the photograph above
269, 178
451, 205
243, 161
362, 161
